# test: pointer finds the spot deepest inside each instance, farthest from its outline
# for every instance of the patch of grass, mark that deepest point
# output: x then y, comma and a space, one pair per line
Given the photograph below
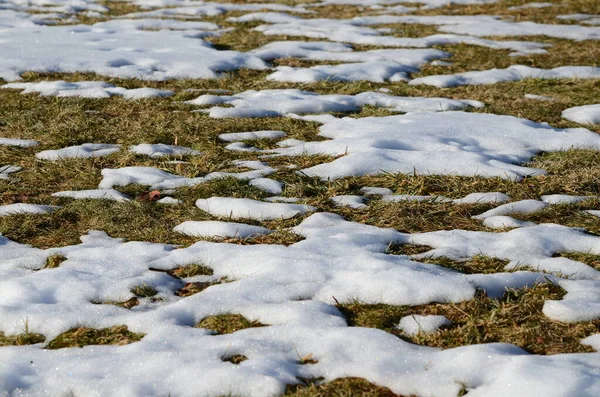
227, 323
84, 336
516, 318
25, 338
144, 291
343, 387
191, 270
54, 261
234, 359
196, 287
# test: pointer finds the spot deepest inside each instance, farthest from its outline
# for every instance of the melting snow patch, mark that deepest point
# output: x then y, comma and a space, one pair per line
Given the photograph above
538, 97
565, 198
20, 208
512, 73
161, 150
86, 89
6, 170
480, 198
103, 194
237, 208
504, 222
455, 143
268, 185
169, 201
272, 103
377, 72
350, 201
243, 136
86, 150
376, 191
219, 229
588, 19
415, 324
518, 207
587, 114
17, 142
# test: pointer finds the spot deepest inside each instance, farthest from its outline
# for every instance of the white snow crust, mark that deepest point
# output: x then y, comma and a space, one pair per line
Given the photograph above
219, 229
241, 208
86, 89
512, 73
437, 143
587, 114
268, 185
243, 136
6, 170
161, 150
416, 324
22, 208
102, 194
279, 102
349, 200
18, 142
86, 150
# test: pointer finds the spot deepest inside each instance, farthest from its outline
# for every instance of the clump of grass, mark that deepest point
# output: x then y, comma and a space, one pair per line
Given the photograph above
144, 291
227, 323
234, 359
517, 318
194, 269
84, 336
128, 304
343, 387
54, 261
25, 338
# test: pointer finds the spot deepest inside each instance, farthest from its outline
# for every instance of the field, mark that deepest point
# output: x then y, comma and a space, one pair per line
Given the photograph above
299, 197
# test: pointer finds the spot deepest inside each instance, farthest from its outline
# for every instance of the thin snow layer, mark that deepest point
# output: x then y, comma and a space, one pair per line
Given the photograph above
512, 73
356, 31
268, 185
377, 72
21, 208
241, 208
337, 259
86, 89
455, 143
594, 212
588, 19
86, 150
379, 191
565, 198
531, 5
427, 3
416, 324
159, 179
328, 51
169, 201
219, 229
18, 142
186, 8
509, 28
279, 102
161, 150
102, 194
538, 97
252, 135
504, 222
6, 170
587, 114
480, 198
146, 49
348, 200
517, 207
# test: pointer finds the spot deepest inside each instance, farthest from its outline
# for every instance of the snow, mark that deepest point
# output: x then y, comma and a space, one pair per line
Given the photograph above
349, 200
531, 5
86, 150
241, 208
279, 102
448, 143
86, 89
416, 324
512, 73
587, 114
377, 72
21, 208
504, 222
588, 19
565, 198
18, 142
219, 229
356, 31
162, 150
538, 97
6, 170
171, 49
517, 207
397, 198
169, 201
158, 179
268, 185
376, 191
103, 194
481, 198
243, 136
